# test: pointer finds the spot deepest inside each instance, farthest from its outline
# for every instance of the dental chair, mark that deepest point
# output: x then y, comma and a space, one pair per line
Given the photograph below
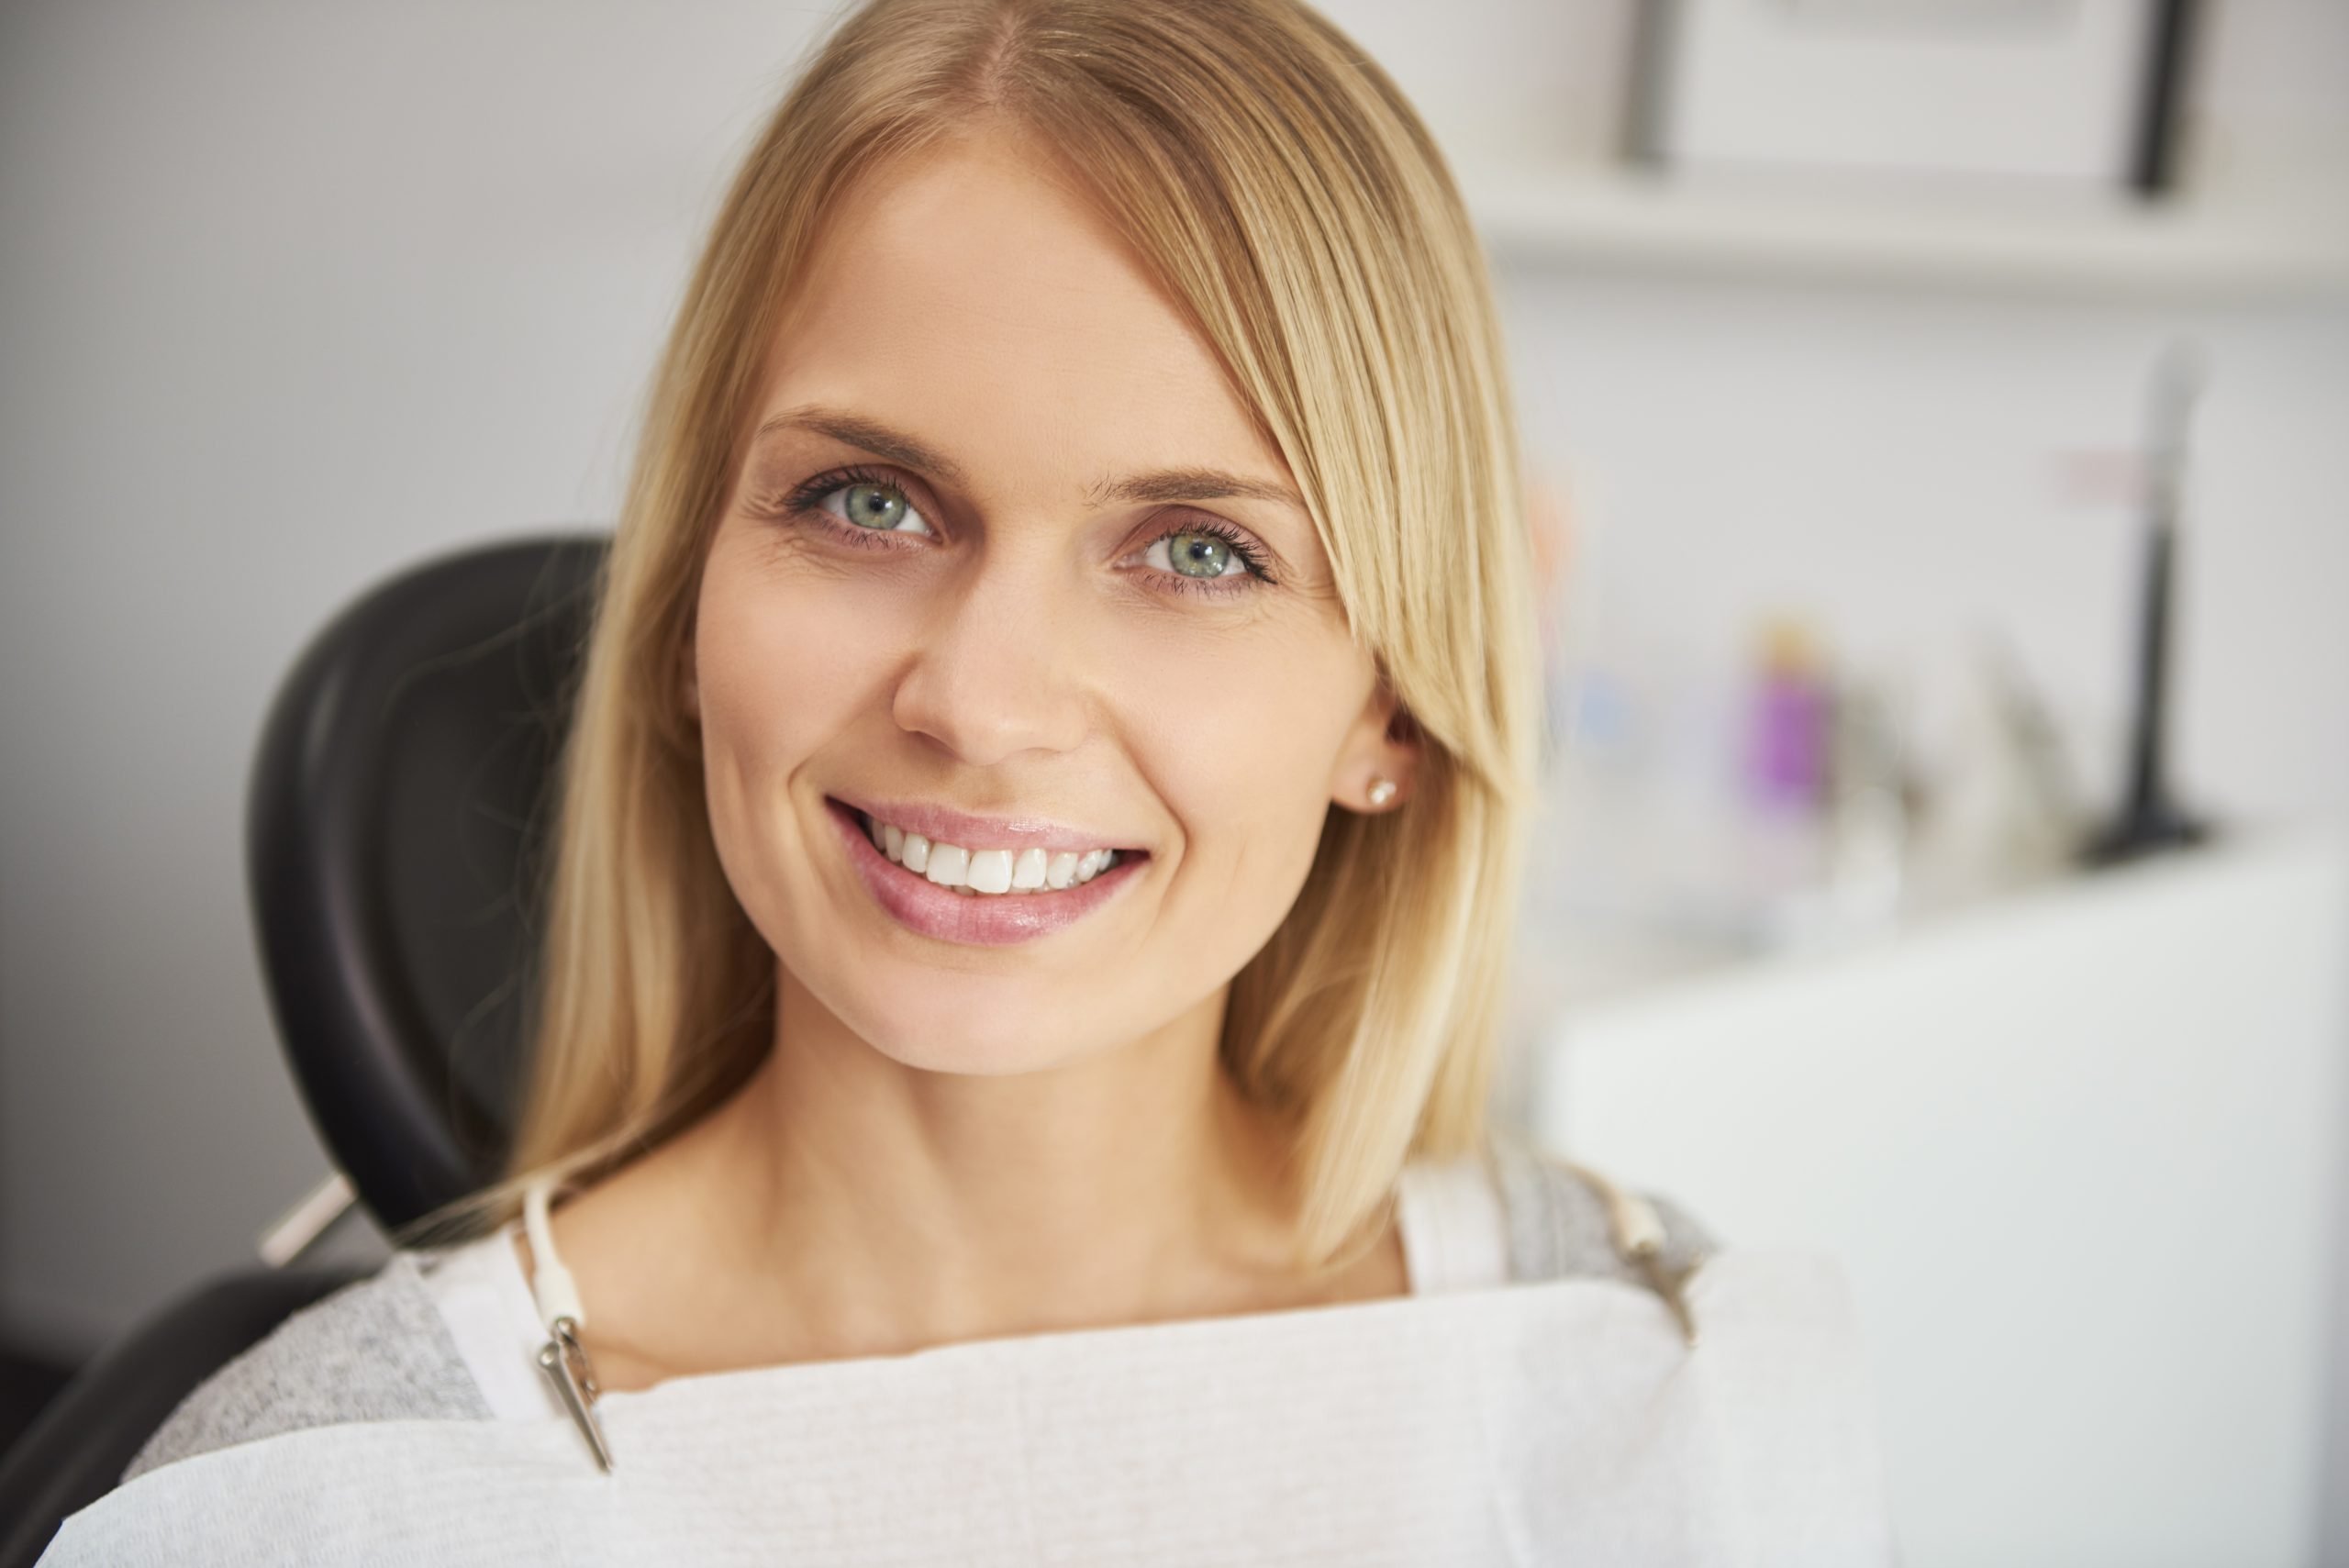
395, 821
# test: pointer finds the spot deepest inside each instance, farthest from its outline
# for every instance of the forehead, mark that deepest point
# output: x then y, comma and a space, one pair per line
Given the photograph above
971, 297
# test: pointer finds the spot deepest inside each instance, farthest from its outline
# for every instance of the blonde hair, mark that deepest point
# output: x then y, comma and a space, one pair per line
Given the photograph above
1295, 210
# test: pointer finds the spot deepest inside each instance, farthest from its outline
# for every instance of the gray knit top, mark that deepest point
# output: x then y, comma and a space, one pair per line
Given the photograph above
379, 1349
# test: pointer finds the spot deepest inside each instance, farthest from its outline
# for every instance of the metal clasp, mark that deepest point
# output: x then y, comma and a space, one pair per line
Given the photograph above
565, 1360
1647, 1255
1638, 1236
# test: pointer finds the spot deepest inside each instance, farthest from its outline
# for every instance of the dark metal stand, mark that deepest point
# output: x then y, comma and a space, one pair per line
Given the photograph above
2150, 821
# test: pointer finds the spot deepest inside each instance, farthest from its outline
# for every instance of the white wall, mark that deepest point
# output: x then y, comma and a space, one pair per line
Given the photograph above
292, 295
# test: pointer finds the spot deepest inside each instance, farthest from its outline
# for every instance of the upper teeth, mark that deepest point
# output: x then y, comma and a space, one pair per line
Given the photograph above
988, 871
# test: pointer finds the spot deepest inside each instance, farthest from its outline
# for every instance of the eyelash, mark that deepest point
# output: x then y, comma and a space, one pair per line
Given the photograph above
1251, 556
802, 502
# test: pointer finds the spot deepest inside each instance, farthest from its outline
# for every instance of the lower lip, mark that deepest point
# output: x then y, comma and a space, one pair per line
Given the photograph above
975, 919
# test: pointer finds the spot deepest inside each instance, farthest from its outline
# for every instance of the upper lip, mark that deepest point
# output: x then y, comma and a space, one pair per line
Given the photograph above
943, 824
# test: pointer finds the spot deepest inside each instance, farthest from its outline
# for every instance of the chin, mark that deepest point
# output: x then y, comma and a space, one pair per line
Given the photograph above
944, 1020
986, 1059
999, 1046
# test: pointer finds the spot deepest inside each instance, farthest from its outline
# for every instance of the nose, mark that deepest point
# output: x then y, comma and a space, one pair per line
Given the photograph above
995, 673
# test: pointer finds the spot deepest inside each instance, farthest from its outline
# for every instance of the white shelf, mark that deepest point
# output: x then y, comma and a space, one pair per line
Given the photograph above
1680, 225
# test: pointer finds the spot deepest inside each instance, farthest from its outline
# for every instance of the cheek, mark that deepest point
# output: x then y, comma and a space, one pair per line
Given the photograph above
781, 660
1238, 737
785, 661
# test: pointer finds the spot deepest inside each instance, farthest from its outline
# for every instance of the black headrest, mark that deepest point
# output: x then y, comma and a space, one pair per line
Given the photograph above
395, 821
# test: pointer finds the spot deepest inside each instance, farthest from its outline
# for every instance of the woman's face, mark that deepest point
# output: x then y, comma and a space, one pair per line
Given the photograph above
1009, 579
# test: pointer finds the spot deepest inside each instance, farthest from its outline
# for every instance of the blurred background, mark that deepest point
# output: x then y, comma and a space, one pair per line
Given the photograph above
1939, 415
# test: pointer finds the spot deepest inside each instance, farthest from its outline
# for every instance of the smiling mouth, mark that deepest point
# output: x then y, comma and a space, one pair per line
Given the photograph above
983, 871
987, 902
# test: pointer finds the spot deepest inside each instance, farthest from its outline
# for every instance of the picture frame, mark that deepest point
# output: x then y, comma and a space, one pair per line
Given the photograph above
2067, 95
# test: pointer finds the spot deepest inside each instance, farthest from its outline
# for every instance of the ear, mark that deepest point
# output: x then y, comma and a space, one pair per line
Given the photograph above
1382, 743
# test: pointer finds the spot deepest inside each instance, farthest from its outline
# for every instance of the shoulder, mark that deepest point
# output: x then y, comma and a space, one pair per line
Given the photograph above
376, 1350
1558, 1221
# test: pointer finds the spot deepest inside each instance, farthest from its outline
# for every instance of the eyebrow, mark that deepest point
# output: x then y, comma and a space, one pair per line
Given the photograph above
1166, 485
1189, 484
866, 435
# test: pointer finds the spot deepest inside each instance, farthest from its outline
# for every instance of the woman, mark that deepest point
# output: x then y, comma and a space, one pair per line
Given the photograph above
1042, 817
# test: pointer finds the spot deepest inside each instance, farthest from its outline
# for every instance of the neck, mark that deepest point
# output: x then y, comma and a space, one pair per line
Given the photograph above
898, 1206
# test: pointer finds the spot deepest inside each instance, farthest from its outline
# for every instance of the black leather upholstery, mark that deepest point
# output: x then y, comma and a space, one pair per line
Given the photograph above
394, 818
392, 823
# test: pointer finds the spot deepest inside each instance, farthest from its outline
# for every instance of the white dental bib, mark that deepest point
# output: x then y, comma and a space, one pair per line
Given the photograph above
1567, 1421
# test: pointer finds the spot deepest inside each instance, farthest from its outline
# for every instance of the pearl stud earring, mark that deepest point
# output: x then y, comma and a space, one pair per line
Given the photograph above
1381, 791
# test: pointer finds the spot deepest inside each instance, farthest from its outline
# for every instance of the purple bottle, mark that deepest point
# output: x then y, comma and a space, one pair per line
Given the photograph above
1789, 724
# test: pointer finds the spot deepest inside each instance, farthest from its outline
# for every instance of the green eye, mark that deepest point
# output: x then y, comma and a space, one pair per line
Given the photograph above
1198, 555
877, 506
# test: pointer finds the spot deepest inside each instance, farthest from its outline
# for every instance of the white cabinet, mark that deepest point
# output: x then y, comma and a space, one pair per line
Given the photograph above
2081, 1153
